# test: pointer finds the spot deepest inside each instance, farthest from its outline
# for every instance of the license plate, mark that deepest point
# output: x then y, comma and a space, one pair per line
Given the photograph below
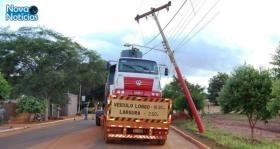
137, 130
138, 92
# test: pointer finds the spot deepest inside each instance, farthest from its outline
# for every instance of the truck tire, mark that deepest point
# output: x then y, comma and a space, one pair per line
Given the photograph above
106, 138
160, 142
97, 121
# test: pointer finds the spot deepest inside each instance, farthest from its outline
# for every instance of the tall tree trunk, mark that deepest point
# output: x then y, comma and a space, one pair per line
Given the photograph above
252, 123
252, 133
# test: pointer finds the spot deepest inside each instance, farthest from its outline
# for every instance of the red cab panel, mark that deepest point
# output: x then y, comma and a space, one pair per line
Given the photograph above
134, 83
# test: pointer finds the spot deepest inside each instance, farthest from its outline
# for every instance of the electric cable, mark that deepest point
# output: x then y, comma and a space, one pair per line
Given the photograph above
180, 29
167, 23
198, 23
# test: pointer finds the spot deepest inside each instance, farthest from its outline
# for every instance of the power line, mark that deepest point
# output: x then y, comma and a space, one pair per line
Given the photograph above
167, 23
165, 27
183, 24
152, 48
179, 22
196, 25
182, 20
192, 7
181, 29
201, 28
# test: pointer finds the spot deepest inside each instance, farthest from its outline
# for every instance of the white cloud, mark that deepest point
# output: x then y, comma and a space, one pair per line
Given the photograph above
244, 31
247, 25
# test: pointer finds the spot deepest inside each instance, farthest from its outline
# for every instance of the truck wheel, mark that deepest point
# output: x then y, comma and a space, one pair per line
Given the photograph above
97, 121
106, 138
160, 142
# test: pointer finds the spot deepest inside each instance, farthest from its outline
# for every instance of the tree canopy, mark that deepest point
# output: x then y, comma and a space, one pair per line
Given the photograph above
173, 91
43, 63
30, 104
5, 88
274, 104
276, 62
216, 83
247, 92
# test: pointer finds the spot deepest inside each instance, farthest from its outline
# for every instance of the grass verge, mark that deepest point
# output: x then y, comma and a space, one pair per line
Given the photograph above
216, 138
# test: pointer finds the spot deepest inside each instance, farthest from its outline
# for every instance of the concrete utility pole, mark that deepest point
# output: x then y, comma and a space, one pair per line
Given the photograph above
79, 99
173, 61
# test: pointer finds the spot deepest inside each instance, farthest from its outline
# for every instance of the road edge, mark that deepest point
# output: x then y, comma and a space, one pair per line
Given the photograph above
189, 138
39, 124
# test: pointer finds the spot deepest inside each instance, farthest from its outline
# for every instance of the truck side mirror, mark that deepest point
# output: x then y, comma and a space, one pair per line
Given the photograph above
166, 72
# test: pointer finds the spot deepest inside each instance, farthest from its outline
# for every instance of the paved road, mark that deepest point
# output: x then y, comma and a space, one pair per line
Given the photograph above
79, 134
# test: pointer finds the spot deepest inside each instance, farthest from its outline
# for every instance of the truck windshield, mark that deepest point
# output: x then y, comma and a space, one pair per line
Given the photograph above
138, 66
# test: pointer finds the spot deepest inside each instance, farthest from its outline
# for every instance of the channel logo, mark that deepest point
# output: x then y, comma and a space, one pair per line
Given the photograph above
21, 13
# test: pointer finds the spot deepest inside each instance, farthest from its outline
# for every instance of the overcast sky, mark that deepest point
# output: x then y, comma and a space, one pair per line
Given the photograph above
207, 36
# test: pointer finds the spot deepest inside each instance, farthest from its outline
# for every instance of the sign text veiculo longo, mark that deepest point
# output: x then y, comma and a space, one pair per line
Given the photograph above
141, 109
127, 105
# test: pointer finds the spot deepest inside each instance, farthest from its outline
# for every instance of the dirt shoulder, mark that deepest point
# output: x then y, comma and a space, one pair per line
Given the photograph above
238, 125
233, 124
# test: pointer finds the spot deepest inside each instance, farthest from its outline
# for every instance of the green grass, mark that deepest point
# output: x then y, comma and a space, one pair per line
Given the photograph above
228, 140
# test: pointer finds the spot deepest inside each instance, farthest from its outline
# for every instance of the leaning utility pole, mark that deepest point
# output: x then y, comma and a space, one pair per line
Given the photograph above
173, 61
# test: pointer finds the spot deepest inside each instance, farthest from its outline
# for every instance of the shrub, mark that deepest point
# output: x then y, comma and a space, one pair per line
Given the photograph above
30, 104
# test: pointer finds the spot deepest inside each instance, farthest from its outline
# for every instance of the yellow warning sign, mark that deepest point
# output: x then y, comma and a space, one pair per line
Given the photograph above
139, 109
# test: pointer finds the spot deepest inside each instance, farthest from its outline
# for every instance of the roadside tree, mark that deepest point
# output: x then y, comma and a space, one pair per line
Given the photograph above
45, 64
216, 83
173, 91
276, 62
5, 88
274, 104
247, 92
92, 75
